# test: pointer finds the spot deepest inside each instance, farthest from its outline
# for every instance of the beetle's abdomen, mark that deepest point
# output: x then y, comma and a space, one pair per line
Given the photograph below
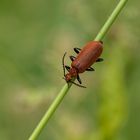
87, 56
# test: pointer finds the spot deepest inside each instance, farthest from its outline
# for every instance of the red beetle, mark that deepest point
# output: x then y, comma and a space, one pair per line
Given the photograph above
83, 61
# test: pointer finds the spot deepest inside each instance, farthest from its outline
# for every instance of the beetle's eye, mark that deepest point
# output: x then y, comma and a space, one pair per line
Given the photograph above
101, 42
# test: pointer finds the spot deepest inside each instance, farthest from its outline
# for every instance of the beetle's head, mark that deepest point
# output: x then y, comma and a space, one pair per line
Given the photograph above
68, 77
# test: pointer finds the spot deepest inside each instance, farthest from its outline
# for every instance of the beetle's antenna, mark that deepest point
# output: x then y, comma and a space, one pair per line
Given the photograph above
63, 63
77, 84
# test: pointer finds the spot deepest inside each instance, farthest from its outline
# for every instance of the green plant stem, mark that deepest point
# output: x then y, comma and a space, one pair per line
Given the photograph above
66, 88
50, 112
110, 20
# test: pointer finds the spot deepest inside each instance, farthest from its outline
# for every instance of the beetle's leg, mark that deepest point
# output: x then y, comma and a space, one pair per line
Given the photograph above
67, 67
99, 60
77, 50
72, 58
77, 84
79, 80
90, 69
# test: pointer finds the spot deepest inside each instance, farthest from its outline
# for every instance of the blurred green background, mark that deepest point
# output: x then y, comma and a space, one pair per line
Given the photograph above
34, 34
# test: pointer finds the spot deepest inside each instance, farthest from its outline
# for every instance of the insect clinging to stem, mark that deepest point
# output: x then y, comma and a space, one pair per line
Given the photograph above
86, 56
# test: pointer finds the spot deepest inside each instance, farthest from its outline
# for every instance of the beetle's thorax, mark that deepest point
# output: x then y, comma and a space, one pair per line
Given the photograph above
71, 74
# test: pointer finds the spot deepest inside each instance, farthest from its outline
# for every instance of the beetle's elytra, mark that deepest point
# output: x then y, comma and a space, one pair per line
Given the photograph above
86, 56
